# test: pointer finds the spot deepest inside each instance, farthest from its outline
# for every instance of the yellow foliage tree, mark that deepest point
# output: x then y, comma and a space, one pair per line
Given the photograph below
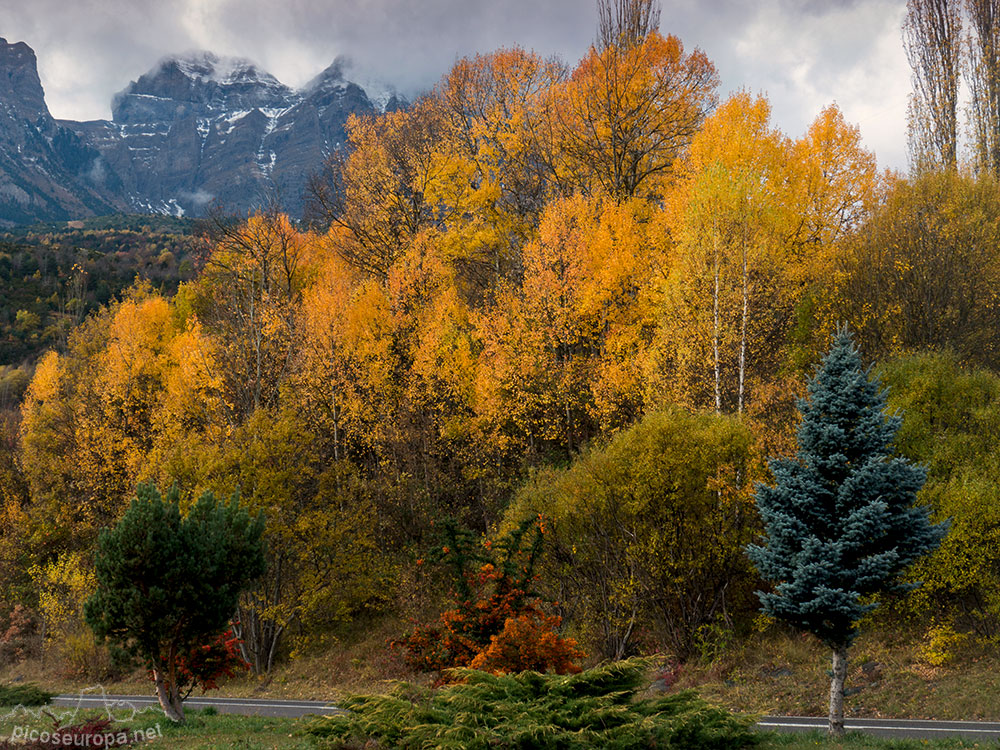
494, 161
727, 297
377, 190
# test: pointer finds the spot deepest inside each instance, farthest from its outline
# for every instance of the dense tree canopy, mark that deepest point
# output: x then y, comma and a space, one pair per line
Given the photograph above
593, 290
648, 532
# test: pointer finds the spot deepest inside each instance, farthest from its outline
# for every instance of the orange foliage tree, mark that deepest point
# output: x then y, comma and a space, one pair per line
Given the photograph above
627, 113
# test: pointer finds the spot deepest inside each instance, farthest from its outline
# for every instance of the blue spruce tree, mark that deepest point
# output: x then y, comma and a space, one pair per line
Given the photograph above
840, 521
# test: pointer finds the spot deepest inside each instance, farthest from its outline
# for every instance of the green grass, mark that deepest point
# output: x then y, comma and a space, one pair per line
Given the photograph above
207, 731
860, 741
203, 730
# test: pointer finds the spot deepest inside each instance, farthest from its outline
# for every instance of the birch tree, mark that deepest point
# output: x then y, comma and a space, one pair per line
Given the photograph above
725, 289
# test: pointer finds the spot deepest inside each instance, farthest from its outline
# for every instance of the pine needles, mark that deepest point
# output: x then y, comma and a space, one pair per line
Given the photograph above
27, 694
598, 708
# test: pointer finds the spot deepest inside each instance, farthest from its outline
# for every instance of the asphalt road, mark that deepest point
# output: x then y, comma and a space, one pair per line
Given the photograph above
245, 706
899, 728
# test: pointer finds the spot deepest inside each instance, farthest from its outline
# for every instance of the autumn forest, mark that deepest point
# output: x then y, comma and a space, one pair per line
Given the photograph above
523, 363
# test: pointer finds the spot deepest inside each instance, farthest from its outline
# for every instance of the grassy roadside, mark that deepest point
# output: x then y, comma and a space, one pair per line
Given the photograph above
202, 730
784, 674
858, 741
771, 673
232, 733
359, 663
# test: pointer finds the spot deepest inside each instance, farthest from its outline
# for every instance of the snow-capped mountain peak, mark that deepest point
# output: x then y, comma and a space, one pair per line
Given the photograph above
196, 128
206, 66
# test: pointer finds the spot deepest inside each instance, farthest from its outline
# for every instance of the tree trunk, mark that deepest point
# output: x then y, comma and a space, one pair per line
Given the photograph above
336, 431
743, 328
715, 324
837, 678
173, 711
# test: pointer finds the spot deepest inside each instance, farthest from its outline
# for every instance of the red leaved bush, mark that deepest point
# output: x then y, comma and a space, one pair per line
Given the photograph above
498, 623
88, 733
529, 641
20, 639
202, 667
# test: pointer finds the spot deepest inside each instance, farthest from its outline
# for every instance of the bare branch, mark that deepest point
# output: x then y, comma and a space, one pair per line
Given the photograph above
626, 23
932, 38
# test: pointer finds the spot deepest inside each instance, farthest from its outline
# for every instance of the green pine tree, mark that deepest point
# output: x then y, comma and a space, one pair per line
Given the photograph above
840, 520
169, 582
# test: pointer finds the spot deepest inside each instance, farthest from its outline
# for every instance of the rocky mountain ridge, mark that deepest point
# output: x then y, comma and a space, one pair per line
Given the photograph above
194, 130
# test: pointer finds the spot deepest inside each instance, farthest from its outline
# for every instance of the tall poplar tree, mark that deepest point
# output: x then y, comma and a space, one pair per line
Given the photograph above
840, 520
626, 23
932, 36
983, 66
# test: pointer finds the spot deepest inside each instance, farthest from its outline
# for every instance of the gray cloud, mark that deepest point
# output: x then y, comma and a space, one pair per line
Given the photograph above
96, 173
803, 54
200, 198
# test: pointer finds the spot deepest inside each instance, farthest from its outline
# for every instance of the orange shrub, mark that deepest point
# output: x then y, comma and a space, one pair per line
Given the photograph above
529, 641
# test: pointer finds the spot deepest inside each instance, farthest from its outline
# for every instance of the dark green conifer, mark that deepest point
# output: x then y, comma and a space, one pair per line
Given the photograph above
840, 520
168, 582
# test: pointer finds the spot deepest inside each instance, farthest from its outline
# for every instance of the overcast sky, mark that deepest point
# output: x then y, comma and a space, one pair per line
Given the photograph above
804, 54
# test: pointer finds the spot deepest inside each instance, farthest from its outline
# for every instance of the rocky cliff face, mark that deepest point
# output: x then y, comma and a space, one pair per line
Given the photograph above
194, 130
43, 166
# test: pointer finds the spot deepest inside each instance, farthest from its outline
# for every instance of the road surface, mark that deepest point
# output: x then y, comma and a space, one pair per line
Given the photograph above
245, 706
898, 728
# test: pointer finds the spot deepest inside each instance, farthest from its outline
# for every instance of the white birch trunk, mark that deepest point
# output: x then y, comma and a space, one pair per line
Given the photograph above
837, 678
715, 320
743, 329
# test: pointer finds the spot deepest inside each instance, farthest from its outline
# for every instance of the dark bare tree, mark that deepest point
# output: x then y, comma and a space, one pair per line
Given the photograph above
626, 23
